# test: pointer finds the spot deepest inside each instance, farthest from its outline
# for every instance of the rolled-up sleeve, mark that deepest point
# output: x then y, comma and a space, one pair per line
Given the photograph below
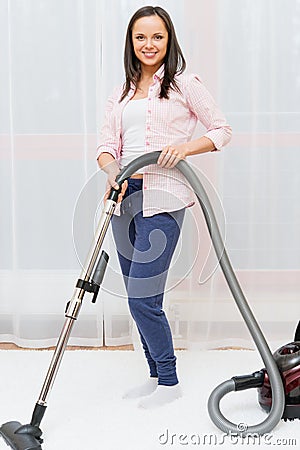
208, 113
107, 140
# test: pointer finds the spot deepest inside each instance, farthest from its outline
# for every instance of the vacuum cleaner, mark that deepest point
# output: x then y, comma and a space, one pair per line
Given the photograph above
278, 383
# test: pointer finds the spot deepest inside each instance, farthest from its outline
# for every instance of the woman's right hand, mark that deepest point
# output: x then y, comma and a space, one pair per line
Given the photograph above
111, 183
110, 166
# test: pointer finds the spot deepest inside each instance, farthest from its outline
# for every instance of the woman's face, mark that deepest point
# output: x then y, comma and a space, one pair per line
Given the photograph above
150, 41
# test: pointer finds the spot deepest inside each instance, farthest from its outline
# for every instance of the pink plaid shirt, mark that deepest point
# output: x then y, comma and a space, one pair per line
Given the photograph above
168, 122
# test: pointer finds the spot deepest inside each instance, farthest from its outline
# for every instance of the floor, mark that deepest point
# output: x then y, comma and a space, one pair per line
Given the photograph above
9, 346
86, 409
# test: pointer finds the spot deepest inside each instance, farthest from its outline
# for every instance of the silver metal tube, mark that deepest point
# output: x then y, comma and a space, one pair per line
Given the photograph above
75, 303
55, 362
93, 254
92, 258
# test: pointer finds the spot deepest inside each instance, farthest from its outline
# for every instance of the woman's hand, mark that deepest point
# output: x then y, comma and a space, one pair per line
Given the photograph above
110, 166
171, 155
111, 183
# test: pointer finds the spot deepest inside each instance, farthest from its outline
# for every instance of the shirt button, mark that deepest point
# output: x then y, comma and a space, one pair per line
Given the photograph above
145, 187
148, 128
149, 110
147, 143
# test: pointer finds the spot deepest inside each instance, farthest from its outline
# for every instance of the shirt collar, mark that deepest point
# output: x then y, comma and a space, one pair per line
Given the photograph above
159, 74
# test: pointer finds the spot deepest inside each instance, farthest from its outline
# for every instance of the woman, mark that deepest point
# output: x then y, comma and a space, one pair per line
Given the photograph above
157, 108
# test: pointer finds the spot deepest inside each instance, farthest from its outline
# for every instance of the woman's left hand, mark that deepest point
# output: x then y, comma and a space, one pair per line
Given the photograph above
171, 155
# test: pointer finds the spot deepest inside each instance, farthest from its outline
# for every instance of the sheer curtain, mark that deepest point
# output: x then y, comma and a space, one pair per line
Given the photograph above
47, 126
60, 61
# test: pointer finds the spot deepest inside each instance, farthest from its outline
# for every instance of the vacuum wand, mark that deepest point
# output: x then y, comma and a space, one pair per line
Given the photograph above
28, 437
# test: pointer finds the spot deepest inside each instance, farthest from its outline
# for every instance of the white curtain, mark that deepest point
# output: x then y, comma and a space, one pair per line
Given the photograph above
59, 62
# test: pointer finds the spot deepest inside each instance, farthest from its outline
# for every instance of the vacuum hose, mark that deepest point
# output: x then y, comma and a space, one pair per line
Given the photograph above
278, 396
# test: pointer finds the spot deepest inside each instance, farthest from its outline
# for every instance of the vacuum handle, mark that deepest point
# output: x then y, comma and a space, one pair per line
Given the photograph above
130, 169
114, 194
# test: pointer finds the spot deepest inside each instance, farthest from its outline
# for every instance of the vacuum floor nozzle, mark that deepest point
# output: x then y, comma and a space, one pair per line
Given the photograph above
20, 437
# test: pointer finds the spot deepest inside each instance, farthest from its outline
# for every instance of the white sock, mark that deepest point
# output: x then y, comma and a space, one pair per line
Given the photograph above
161, 396
142, 390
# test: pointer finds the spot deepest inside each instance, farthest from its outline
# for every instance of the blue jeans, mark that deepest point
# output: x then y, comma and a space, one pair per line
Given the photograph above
145, 248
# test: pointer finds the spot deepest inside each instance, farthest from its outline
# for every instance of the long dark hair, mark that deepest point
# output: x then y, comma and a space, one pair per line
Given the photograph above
174, 60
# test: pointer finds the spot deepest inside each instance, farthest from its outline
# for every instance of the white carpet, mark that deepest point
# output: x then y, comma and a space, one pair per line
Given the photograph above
86, 410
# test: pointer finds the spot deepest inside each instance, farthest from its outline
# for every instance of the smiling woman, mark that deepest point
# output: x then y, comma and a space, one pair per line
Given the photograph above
148, 224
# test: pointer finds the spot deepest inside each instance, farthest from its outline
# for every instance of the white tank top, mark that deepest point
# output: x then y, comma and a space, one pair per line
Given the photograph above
133, 131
